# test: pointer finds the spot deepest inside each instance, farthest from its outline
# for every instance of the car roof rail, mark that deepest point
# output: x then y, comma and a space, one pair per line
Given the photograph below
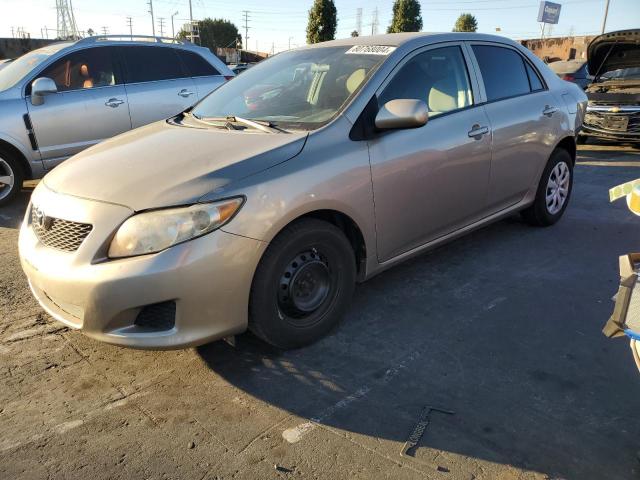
132, 38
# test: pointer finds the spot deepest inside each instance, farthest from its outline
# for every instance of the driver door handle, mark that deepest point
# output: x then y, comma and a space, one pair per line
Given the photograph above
184, 93
478, 131
113, 102
549, 110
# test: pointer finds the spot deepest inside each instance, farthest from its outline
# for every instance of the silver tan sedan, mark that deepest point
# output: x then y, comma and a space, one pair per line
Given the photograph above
263, 205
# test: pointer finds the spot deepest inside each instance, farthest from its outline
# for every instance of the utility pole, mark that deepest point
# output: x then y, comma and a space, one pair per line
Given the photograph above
606, 13
173, 30
105, 30
290, 38
130, 25
245, 14
161, 22
153, 22
359, 21
190, 22
374, 22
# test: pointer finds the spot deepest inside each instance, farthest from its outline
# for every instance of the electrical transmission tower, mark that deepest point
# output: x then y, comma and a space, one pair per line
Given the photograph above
374, 22
359, 21
130, 25
67, 27
245, 15
105, 31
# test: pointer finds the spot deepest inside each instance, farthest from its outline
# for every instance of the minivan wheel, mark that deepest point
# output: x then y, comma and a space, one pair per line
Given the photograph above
11, 177
554, 191
303, 284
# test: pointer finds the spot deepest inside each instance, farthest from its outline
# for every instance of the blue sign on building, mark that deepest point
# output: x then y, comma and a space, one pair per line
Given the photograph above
549, 12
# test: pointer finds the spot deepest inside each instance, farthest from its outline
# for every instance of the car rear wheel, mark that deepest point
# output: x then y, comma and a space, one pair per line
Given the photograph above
554, 191
11, 177
303, 284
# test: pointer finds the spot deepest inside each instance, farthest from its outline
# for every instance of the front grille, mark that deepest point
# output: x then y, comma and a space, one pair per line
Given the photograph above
58, 233
603, 121
159, 316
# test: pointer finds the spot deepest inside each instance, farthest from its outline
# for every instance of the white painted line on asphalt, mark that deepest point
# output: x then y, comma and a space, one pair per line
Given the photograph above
495, 302
295, 434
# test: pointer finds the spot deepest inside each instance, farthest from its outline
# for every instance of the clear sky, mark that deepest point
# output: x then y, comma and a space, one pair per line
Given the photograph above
273, 24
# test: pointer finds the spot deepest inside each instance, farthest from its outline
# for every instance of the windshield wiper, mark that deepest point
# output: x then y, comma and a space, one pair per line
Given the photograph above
267, 127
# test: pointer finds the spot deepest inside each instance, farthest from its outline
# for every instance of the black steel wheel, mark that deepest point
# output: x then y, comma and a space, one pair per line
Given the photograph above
303, 284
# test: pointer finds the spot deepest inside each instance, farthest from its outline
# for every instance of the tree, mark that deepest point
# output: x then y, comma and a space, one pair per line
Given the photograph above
406, 17
466, 23
90, 32
323, 21
215, 33
355, 33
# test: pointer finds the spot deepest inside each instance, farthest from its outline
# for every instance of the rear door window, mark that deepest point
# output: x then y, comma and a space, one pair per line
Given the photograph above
503, 72
196, 65
150, 64
534, 78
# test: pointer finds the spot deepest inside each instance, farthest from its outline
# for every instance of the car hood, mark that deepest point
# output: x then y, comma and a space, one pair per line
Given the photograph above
164, 164
625, 51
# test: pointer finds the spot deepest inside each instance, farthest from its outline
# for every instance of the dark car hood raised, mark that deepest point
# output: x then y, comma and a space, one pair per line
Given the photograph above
625, 51
163, 165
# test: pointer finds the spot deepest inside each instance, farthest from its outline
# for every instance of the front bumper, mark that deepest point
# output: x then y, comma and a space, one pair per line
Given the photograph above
208, 278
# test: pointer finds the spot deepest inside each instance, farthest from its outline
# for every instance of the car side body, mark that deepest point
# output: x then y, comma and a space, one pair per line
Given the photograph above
111, 85
393, 193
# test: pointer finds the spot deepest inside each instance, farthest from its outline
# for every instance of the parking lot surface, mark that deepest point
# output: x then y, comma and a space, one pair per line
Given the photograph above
502, 328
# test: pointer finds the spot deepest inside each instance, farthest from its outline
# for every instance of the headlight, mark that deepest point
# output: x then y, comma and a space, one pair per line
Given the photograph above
157, 230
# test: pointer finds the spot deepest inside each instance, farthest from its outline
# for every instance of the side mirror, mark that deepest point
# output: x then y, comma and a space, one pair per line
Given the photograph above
40, 88
402, 113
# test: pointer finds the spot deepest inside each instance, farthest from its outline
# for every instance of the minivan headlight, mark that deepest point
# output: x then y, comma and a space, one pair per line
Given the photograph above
153, 231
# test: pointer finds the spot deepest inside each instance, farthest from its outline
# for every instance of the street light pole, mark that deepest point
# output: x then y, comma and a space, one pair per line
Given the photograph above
606, 13
190, 22
173, 30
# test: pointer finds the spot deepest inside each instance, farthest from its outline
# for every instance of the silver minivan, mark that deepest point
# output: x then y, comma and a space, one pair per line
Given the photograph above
320, 167
63, 98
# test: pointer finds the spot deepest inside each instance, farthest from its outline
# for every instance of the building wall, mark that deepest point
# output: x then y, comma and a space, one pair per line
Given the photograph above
559, 48
14, 47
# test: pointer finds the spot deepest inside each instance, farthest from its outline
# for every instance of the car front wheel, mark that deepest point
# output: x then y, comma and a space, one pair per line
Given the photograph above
303, 284
11, 177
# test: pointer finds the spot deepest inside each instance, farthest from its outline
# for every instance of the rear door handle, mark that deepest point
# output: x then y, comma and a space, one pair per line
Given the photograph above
184, 93
549, 110
477, 131
113, 102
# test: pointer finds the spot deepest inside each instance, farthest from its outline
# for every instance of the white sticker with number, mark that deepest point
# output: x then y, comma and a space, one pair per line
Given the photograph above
370, 50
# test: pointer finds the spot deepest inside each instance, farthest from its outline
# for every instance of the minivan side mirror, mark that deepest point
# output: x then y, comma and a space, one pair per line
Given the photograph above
40, 88
402, 113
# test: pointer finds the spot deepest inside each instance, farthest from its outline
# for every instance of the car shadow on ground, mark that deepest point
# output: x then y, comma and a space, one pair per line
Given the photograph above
502, 327
11, 215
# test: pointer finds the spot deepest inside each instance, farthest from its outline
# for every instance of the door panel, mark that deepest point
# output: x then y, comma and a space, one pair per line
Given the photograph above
429, 181
523, 138
206, 85
432, 180
68, 122
153, 101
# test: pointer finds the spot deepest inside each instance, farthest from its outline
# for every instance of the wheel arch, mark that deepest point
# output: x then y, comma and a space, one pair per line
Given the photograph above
349, 227
568, 144
22, 159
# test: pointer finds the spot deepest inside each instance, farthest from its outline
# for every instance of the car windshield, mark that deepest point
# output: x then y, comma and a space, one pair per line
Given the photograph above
302, 89
622, 74
18, 68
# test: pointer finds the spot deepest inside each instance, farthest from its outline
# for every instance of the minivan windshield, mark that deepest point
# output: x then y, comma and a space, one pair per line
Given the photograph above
301, 89
18, 68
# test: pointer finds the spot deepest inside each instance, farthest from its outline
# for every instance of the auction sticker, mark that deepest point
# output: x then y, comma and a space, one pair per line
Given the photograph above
370, 50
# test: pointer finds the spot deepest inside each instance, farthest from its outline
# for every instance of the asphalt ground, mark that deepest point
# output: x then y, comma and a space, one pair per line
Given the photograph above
502, 328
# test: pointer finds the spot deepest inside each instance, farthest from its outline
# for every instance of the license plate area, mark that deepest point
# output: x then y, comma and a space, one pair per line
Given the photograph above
619, 123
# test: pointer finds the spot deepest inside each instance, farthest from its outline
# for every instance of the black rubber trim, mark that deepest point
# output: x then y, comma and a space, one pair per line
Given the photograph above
30, 133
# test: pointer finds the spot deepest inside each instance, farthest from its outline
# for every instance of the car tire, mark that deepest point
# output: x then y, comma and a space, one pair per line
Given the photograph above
10, 168
554, 191
303, 284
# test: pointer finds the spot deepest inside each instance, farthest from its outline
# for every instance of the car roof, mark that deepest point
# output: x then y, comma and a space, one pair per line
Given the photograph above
400, 39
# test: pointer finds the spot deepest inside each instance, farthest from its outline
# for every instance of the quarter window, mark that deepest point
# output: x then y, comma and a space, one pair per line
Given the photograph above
438, 77
534, 79
196, 65
84, 69
148, 64
503, 71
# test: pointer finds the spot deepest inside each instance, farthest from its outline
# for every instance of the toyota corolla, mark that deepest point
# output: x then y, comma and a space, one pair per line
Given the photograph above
263, 205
